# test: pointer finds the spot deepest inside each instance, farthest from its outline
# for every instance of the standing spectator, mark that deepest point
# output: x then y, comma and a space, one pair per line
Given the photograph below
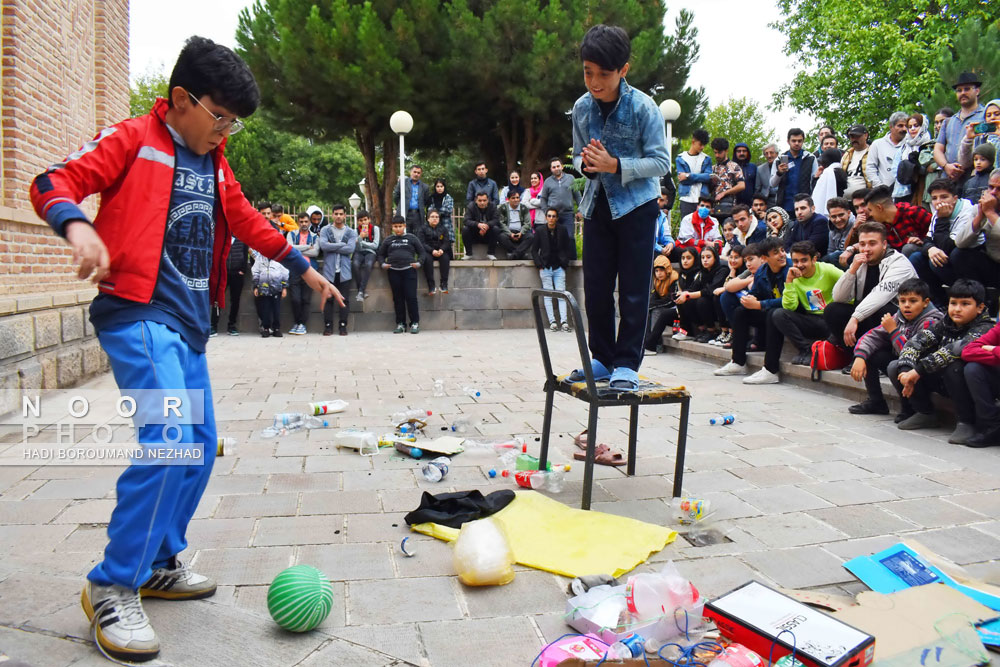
236, 269
741, 155
951, 213
830, 181
727, 179
434, 238
550, 249
764, 172
337, 241
698, 228
841, 222
513, 183
881, 166
867, 290
531, 197
558, 192
514, 226
931, 361
482, 184
663, 241
943, 114
793, 174
283, 221
953, 129
748, 228
662, 309
809, 225
418, 198
972, 139
855, 160
400, 256
317, 220
265, 210
757, 306
369, 238
307, 243
778, 223
880, 346
982, 379
906, 224
694, 173
443, 203
977, 255
482, 225
909, 152
270, 283
824, 132
983, 158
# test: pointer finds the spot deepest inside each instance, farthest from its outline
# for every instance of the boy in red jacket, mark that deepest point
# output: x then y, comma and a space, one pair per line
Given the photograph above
982, 377
157, 249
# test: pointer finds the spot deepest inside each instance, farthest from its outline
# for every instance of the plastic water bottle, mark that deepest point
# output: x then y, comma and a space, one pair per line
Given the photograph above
632, 646
410, 450
327, 407
464, 425
689, 510
472, 390
737, 655
407, 415
289, 422
438, 388
499, 447
548, 480
225, 446
365, 442
650, 596
722, 420
435, 469
526, 461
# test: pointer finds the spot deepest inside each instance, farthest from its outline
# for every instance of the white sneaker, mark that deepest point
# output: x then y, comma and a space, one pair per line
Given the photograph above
553, 327
177, 583
732, 368
118, 623
491, 257
565, 326
680, 335
763, 376
360, 296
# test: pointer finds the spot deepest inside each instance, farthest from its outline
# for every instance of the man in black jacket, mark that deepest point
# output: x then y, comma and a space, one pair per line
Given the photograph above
481, 225
551, 248
236, 269
417, 196
809, 226
793, 174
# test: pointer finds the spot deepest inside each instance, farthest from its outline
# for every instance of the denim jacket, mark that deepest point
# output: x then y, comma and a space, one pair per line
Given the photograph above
704, 177
663, 237
633, 133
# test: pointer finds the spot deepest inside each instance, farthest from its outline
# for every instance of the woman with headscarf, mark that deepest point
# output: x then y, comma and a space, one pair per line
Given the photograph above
662, 309
973, 140
916, 136
531, 201
442, 202
513, 185
777, 222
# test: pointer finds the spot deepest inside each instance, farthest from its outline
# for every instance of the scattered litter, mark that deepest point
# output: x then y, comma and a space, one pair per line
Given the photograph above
446, 445
225, 446
289, 422
406, 415
581, 585
328, 407
722, 420
689, 510
409, 553
438, 390
463, 425
482, 555
472, 390
409, 449
547, 480
365, 442
436, 469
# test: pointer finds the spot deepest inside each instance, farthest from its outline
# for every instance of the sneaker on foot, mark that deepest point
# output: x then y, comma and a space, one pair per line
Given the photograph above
233, 331
648, 352
118, 623
276, 333
432, 291
732, 368
962, 433
554, 327
328, 330
869, 407
918, 420
802, 359
212, 333
444, 289
343, 329
565, 326
680, 335
265, 333
902, 417
400, 328
177, 583
987, 438
491, 257
763, 376
360, 296
415, 328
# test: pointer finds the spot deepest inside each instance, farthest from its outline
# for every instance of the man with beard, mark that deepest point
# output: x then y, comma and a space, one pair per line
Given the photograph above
741, 154
953, 129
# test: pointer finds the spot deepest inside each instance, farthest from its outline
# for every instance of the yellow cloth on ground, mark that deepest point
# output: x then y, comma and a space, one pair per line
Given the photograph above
548, 535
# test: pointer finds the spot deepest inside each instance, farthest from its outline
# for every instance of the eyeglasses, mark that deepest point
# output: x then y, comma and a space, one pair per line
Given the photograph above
222, 123
552, 217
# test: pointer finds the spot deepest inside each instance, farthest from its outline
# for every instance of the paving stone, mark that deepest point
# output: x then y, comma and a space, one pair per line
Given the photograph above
340, 502
400, 641
86, 539
866, 546
758, 441
781, 499
932, 512
247, 465
30, 511
637, 488
220, 533
243, 567
87, 511
349, 562
320, 463
448, 642
715, 576
911, 486
961, 544
295, 482
967, 480
893, 465
74, 489
824, 452
652, 511
342, 652
769, 457
789, 530
529, 592
802, 567
834, 471
379, 479
270, 504
863, 521
402, 500
763, 476
697, 483
376, 528
31, 540
326, 529
234, 484
986, 503
33, 648
402, 600
433, 558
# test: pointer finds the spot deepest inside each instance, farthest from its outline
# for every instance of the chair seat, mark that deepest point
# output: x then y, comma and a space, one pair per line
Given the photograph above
649, 392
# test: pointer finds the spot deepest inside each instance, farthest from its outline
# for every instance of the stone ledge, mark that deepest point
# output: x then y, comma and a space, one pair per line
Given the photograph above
25, 217
23, 303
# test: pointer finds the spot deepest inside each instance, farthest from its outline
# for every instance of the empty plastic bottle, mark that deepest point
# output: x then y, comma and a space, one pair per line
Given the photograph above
410, 450
407, 415
464, 425
721, 420
438, 387
472, 391
548, 480
499, 447
631, 646
288, 422
435, 469
225, 446
327, 407
689, 510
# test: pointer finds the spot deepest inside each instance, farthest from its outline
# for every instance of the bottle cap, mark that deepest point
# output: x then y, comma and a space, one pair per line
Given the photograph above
505, 473
429, 413
492, 473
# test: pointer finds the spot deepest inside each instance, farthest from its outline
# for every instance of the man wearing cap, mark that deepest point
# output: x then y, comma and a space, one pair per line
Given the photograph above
953, 129
855, 160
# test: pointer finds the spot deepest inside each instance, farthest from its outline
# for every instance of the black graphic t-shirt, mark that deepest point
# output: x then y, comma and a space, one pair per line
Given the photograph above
181, 299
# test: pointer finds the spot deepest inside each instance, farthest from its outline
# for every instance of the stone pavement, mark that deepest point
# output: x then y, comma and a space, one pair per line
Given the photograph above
800, 486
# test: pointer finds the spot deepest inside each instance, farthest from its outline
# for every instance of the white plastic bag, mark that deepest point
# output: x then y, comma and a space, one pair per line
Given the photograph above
482, 554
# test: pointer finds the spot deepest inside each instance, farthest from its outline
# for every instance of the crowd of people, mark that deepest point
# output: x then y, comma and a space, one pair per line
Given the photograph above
888, 253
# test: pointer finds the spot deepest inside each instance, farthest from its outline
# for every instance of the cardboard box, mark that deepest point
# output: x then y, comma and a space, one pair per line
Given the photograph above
754, 615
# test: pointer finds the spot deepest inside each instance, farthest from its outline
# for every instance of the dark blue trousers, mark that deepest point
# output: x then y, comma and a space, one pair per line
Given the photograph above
618, 251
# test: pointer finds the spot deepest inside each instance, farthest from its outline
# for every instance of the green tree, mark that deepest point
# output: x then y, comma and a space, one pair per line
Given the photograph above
144, 91
976, 49
860, 61
740, 120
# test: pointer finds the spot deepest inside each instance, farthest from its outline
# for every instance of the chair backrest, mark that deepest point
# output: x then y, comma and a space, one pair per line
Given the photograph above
581, 339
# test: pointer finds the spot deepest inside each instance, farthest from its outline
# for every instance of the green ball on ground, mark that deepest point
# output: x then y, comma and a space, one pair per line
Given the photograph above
300, 598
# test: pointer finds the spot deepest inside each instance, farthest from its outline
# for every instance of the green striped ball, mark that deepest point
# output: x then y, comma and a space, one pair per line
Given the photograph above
300, 598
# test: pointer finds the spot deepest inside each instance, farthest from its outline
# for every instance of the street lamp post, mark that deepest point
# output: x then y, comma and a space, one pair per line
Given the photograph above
671, 111
363, 187
355, 201
401, 123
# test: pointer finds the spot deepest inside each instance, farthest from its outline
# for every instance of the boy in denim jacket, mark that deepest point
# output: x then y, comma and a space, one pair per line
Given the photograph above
620, 146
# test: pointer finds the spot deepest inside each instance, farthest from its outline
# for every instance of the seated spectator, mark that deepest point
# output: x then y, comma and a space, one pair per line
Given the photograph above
714, 272
662, 309
400, 256
759, 210
808, 288
982, 164
973, 140
809, 225
481, 226
515, 226
689, 286
908, 151
550, 249
513, 184
757, 304
883, 344
867, 290
270, 284
363, 260
749, 229
737, 266
444, 204
437, 246
830, 179
881, 167
977, 255
982, 379
698, 229
932, 262
906, 224
778, 224
841, 222
860, 215
694, 174
663, 242
728, 237
281, 220
734, 287
482, 184
931, 362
